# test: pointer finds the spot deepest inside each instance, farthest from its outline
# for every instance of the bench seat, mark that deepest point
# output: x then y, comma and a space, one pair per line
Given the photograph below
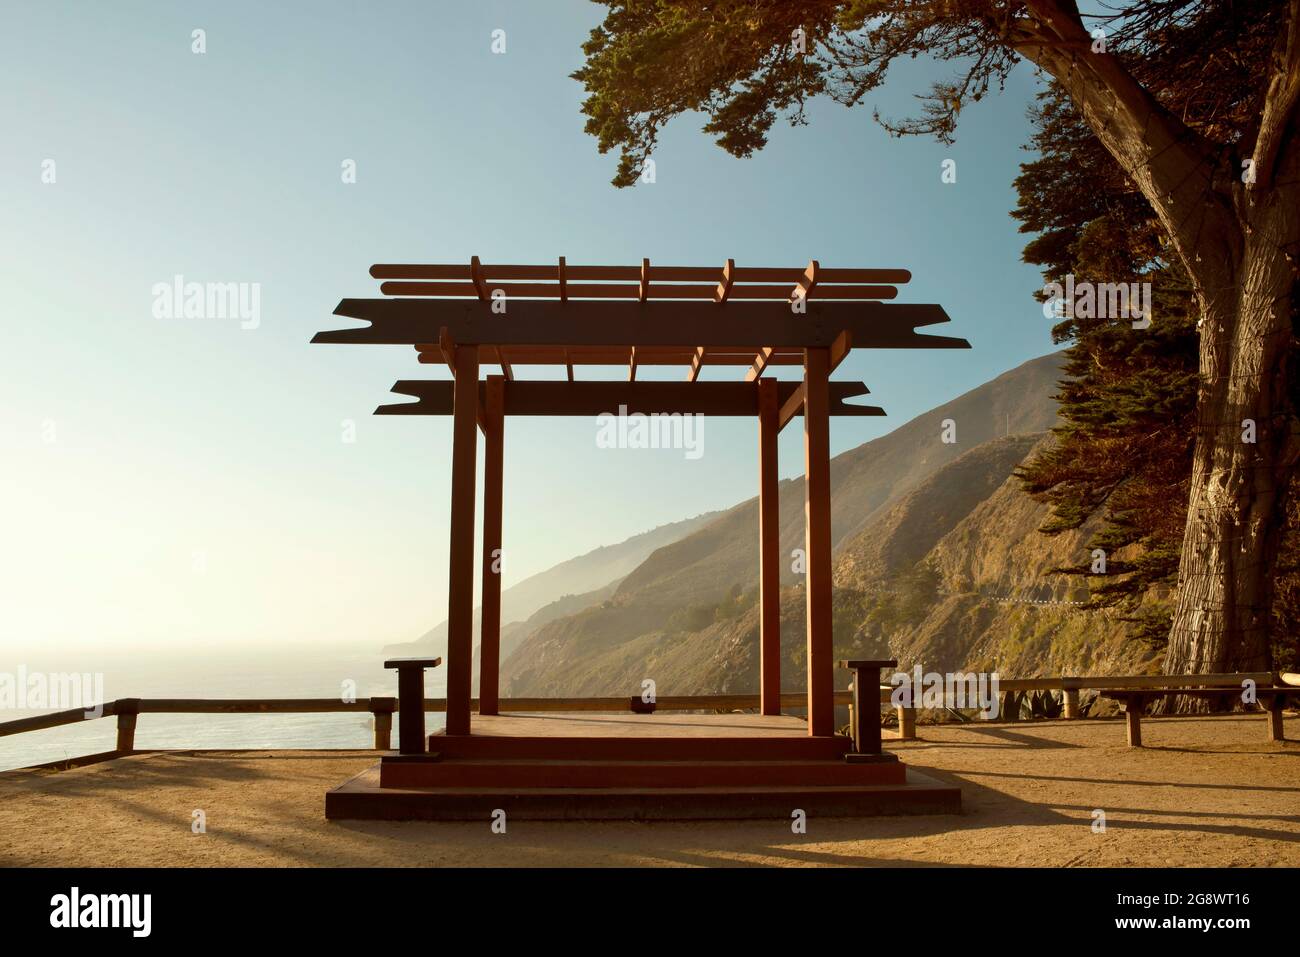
1134, 700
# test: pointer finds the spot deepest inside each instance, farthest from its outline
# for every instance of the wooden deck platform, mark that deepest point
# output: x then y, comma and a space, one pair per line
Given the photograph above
657, 737
635, 767
625, 724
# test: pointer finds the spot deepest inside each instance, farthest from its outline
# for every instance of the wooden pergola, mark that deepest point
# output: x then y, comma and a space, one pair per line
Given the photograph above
748, 318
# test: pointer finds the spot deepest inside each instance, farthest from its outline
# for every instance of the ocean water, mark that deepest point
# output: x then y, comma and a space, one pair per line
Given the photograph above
246, 673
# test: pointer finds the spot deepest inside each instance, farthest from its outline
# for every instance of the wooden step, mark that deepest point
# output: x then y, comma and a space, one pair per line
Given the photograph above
643, 748
363, 799
523, 773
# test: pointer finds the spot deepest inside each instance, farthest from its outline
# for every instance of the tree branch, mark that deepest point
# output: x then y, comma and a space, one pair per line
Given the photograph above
1279, 103
1171, 164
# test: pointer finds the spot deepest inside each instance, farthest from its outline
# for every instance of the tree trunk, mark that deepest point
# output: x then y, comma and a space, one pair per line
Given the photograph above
1246, 450
1239, 242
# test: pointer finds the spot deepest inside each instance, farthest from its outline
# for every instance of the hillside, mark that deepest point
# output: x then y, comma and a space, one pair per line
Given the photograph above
863, 480
1000, 609
901, 535
938, 560
953, 576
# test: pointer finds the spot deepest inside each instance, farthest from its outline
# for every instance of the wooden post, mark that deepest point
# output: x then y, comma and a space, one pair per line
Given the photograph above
410, 702
382, 709
817, 558
128, 711
866, 719
906, 723
769, 550
1275, 728
1071, 703
1133, 719
493, 475
865, 712
460, 589
410, 688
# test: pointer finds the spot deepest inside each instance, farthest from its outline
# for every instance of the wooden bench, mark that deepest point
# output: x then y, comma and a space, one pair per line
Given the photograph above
1134, 700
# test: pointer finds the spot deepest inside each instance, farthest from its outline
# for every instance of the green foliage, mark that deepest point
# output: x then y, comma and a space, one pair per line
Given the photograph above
1128, 399
905, 602
701, 615
739, 63
691, 618
742, 64
1045, 704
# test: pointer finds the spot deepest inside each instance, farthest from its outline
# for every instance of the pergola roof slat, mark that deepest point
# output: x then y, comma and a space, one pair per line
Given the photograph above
710, 274
540, 290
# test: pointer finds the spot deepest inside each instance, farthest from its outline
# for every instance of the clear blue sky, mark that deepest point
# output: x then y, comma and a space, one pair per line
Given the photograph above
172, 481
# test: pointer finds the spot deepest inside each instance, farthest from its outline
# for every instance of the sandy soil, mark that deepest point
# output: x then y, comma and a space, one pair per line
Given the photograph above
1204, 792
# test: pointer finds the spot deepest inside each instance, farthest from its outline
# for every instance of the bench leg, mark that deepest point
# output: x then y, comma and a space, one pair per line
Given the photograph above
1275, 706
1133, 721
906, 723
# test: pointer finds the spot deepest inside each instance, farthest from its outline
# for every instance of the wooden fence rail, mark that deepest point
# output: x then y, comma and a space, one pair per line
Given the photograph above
128, 710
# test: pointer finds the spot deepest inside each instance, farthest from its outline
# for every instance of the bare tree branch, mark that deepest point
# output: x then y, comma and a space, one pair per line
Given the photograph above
1279, 102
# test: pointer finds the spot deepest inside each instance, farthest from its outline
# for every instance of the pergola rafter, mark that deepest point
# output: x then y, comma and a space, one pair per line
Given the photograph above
757, 318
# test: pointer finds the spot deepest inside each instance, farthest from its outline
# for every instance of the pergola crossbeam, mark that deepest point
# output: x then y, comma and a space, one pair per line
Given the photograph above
874, 325
431, 354
557, 398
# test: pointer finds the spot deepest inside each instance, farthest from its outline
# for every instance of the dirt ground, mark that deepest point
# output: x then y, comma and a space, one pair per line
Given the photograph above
1204, 792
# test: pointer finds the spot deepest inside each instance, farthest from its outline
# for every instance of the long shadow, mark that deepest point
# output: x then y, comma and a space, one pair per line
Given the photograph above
142, 772
794, 856
1265, 834
1177, 750
1284, 818
1198, 785
1019, 740
119, 787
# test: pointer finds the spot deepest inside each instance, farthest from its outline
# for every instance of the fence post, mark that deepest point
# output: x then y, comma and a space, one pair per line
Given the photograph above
906, 723
382, 709
128, 710
1071, 699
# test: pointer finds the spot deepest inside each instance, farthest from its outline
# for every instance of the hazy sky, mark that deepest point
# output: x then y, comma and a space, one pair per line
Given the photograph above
186, 483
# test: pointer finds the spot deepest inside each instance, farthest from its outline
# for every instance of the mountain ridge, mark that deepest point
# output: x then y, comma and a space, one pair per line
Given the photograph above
586, 573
